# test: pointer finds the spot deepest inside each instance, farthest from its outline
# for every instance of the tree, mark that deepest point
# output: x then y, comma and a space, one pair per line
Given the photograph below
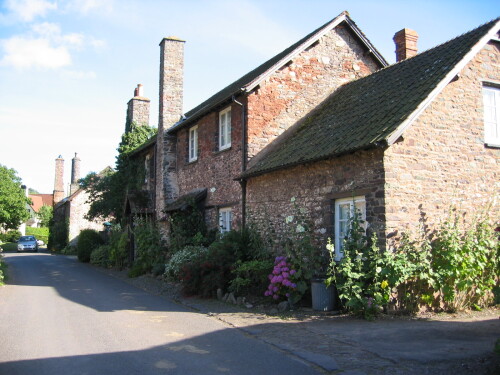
13, 200
107, 190
45, 215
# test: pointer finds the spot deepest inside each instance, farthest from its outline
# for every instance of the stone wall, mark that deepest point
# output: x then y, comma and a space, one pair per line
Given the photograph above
315, 187
76, 209
442, 161
292, 92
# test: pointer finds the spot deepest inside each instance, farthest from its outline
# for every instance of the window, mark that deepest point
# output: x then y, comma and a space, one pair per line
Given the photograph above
225, 217
344, 211
193, 143
225, 129
491, 100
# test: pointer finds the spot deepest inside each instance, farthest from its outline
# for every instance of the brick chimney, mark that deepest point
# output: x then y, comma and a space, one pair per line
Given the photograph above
59, 180
406, 44
170, 112
137, 109
75, 174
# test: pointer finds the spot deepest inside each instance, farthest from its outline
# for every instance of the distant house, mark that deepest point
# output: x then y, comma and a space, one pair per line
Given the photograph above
38, 200
70, 211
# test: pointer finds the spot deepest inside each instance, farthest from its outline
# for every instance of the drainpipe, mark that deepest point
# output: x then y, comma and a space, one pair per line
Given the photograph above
243, 182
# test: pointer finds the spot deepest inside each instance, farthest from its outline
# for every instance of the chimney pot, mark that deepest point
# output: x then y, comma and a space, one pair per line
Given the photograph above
406, 44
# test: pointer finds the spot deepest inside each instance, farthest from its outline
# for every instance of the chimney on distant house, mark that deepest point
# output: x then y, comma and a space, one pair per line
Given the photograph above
170, 108
59, 180
406, 44
137, 109
75, 174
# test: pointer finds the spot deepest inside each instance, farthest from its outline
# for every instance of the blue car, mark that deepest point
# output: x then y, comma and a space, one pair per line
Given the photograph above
27, 243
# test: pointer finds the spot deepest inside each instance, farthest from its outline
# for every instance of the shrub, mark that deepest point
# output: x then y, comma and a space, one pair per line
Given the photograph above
250, 277
88, 240
39, 233
149, 251
3, 268
58, 235
187, 255
118, 243
100, 256
10, 236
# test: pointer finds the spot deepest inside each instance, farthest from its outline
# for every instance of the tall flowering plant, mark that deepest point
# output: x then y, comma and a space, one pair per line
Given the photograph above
281, 280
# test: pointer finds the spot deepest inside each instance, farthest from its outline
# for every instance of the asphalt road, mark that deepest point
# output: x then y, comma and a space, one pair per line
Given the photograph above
59, 316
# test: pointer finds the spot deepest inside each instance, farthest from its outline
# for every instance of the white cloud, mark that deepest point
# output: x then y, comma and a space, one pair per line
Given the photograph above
78, 75
28, 10
47, 29
97, 43
25, 53
85, 6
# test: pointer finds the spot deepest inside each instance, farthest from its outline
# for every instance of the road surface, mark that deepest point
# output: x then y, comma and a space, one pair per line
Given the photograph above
59, 316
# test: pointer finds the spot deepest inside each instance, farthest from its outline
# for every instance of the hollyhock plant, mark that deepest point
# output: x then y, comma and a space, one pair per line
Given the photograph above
280, 280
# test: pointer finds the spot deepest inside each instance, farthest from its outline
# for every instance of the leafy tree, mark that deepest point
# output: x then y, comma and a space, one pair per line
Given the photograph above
45, 215
108, 189
13, 200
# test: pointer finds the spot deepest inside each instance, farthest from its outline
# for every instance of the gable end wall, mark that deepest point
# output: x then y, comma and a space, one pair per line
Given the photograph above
442, 160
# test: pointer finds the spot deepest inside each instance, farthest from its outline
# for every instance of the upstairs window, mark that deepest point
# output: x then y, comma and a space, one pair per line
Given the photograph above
491, 100
193, 144
225, 217
344, 213
225, 129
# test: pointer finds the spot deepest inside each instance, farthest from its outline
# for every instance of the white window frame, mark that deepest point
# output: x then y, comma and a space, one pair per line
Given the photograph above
341, 222
491, 102
225, 129
225, 219
193, 144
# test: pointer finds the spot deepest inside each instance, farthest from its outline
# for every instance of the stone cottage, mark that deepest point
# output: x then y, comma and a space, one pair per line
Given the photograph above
328, 123
72, 208
405, 143
204, 150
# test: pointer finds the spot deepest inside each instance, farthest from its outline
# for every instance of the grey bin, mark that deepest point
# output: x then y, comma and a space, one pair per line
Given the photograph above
323, 298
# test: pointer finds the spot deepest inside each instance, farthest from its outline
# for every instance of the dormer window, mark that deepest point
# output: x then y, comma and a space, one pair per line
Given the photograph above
225, 129
193, 143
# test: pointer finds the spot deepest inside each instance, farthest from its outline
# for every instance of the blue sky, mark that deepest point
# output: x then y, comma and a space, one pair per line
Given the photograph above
68, 68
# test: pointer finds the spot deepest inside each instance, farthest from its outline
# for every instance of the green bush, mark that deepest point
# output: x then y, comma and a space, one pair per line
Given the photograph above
453, 267
206, 274
39, 233
88, 240
10, 236
3, 268
187, 255
149, 251
250, 277
119, 244
58, 235
100, 256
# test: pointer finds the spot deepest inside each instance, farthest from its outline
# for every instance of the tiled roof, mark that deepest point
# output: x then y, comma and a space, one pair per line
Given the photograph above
250, 78
40, 200
365, 113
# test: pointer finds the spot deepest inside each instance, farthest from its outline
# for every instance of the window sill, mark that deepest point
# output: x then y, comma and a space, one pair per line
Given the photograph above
192, 161
492, 145
222, 150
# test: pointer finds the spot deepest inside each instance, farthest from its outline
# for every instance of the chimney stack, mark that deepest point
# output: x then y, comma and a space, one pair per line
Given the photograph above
137, 109
406, 44
59, 180
75, 174
170, 108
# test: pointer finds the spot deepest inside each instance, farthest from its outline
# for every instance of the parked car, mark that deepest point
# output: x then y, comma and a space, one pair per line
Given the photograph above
27, 243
